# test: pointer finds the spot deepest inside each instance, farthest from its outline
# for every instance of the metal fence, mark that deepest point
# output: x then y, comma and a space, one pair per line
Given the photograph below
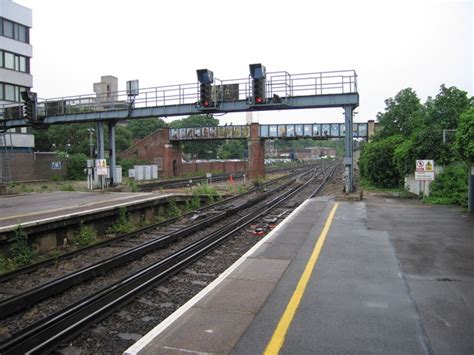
283, 84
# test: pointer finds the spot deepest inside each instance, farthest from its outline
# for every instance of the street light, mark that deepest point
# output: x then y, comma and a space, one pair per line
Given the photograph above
91, 144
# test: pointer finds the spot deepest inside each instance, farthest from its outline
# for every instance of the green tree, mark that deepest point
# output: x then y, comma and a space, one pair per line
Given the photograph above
465, 136
444, 111
377, 162
402, 114
123, 138
76, 163
233, 150
201, 149
144, 127
74, 138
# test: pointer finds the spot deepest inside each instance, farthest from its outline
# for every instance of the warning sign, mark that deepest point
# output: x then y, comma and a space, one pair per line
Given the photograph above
424, 170
101, 166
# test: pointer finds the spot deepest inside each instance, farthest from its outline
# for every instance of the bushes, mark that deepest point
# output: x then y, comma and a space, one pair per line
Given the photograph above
377, 164
450, 186
75, 166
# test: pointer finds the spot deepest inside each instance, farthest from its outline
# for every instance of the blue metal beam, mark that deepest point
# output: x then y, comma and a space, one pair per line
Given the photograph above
290, 103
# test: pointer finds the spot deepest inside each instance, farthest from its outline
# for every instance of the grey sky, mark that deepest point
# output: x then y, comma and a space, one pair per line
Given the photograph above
391, 44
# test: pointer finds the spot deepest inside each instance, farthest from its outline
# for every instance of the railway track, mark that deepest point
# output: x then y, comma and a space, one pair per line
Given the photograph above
45, 334
180, 220
177, 183
119, 250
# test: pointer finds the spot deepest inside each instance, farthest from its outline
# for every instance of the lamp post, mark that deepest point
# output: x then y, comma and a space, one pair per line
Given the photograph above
91, 144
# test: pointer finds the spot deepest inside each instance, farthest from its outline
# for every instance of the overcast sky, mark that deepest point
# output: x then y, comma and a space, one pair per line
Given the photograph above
391, 45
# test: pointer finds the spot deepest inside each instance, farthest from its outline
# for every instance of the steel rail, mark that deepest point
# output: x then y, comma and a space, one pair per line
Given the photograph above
48, 333
51, 261
34, 295
45, 335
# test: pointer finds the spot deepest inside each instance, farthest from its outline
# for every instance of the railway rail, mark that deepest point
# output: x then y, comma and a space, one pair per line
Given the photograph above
48, 332
146, 240
126, 236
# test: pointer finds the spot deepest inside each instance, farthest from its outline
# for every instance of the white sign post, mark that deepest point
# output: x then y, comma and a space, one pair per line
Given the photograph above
101, 166
424, 172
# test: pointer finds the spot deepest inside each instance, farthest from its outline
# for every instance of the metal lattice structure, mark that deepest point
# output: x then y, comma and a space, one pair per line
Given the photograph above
283, 91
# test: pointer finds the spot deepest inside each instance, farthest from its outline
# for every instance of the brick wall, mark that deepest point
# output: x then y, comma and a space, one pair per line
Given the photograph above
34, 166
206, 167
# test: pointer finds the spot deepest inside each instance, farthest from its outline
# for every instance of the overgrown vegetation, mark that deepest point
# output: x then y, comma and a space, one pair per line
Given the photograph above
132, 183
450, 186
210, 192
124, 224
85, 236
194, 203
76, 164
173, 209
21, 253
411, 130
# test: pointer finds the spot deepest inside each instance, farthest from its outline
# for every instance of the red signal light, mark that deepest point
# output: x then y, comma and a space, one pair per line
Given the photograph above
205, 103
258, 100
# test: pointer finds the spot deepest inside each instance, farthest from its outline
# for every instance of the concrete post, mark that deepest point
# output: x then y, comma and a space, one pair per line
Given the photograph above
348, 149
256, 148
112, 165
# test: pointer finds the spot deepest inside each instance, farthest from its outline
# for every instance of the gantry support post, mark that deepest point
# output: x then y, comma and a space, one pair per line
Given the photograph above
113, 170
256, 146
348, 149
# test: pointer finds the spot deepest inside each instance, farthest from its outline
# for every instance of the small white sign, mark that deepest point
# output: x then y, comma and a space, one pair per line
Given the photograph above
101, 167
424, 170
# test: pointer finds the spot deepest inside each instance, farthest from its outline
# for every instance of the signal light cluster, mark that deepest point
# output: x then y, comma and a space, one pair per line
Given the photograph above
259, 75
259, 91
206, 79
29, 108
206, 95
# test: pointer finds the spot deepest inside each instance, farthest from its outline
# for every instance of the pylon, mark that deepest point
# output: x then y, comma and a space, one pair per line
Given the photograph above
231, 179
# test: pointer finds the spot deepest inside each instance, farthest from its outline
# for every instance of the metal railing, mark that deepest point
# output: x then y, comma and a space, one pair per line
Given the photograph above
283, 84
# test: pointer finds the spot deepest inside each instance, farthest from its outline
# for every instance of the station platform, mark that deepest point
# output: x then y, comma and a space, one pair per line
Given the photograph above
28, 209
382, 275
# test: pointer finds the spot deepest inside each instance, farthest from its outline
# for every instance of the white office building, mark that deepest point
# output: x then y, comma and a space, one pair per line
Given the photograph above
15, 75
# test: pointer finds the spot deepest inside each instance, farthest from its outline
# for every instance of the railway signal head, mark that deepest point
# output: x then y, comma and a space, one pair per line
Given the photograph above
205, 78
205, 95
29, 108
258, 74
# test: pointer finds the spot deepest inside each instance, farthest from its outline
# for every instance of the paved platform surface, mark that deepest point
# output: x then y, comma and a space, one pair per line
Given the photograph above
27, 208
393, 276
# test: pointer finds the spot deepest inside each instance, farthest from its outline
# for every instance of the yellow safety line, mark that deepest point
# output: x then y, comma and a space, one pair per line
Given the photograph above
278, 337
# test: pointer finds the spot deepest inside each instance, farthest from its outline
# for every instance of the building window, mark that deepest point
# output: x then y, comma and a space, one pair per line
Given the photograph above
15, 31
9, 92
22, 64
9, 60
13, 61
8, 29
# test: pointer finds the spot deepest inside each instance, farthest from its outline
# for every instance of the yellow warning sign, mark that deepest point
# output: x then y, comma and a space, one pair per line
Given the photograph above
424, 170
